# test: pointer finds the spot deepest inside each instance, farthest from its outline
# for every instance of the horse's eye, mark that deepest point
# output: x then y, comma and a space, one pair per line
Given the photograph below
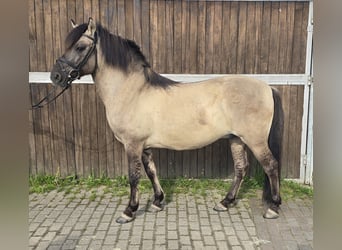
80, 48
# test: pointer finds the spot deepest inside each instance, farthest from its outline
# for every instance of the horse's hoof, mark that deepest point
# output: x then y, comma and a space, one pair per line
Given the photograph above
124, 219
270, 214
220, 208
155, 209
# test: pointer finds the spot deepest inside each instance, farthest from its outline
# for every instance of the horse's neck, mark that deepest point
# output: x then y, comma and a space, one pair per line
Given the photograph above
114, 85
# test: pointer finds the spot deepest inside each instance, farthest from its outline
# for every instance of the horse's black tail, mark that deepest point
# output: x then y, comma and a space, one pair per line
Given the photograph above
275, 140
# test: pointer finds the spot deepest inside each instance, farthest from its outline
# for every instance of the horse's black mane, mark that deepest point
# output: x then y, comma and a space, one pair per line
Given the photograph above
120, 52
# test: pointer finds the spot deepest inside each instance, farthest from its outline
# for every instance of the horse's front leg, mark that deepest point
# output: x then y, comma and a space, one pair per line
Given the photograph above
134, 154
151, 172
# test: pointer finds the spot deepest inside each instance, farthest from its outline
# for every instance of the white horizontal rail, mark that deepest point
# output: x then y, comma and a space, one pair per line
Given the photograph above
272, 79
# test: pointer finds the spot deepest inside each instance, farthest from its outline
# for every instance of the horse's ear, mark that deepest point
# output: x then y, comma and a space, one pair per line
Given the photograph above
91, 26
73, 23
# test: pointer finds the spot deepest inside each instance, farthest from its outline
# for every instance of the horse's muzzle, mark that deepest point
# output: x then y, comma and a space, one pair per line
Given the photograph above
63, 74
59, 75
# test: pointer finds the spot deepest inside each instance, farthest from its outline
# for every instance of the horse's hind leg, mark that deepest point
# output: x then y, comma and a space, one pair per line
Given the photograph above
271, 193
151, 172
239, 155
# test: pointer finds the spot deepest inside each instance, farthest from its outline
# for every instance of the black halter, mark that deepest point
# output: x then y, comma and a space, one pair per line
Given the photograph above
72, 74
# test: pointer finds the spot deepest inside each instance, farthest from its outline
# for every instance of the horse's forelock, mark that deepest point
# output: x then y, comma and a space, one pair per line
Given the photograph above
74, 35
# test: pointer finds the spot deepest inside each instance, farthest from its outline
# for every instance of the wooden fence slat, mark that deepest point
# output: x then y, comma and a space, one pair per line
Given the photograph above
233, 38
209, 48
274, 39
217, 39
201, 31
32, 37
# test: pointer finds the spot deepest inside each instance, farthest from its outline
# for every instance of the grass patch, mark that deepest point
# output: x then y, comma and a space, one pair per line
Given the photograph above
119, 186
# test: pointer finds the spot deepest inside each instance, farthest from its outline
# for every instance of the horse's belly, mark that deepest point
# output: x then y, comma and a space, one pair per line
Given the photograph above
185, 140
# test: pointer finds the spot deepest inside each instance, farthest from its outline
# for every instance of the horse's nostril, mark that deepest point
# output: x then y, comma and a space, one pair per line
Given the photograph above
56, 77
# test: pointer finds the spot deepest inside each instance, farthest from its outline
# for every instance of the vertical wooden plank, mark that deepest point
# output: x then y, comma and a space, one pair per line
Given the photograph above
56, 32
129, 19
177, 53
45, 131
241, 49
33, 66
297, 44
224, 149
293, 105
169, 33
31, 137
69, 133
274, 39
79, 15
286, 140
297, 153
290, 22
71, 12
192, 54
186, 164
233, 37
201, 31
265, 38
258, 36
37, 127
209, 49
121, 18
119, 156
137, 28
161, 55
39, 12
86, 143
95, 10
225, 37
105, 148
64, 24
283, 38
154, 34
77, 105
208, 161
93, 134
251, 38
87, 12
104, 15
185, 36
171, 168
113, 16
53, 123
217, 39
163, 163
145, 29
303, 37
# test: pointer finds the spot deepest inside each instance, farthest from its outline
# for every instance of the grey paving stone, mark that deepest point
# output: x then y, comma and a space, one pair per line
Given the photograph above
187, 222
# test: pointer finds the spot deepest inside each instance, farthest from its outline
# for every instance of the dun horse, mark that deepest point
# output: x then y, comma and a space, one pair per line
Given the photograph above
146, 110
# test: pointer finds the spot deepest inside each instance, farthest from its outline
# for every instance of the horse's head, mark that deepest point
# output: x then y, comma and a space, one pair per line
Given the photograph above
80, 56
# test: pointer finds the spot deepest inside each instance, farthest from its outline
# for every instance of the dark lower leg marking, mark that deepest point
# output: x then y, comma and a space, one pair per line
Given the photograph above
271, 195
152, 175
134, 163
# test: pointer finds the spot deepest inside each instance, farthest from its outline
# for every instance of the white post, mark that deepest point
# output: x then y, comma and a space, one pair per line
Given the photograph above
306, 142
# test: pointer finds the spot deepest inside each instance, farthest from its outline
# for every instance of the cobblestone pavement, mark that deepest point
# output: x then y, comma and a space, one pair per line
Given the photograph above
68, 221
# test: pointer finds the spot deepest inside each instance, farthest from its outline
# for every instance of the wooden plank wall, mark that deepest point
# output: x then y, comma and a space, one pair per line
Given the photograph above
71, 135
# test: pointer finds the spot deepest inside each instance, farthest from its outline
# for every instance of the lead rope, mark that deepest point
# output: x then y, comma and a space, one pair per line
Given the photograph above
40, 105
